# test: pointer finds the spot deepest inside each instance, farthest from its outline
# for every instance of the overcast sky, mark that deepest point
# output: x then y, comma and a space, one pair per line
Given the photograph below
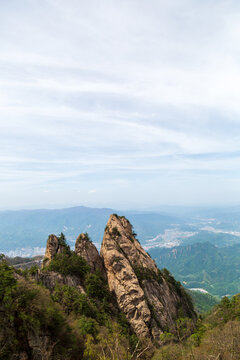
125, 104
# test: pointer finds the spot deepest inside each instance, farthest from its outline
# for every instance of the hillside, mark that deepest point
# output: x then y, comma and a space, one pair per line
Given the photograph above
202, 302
86, 305
203, 265
215, 337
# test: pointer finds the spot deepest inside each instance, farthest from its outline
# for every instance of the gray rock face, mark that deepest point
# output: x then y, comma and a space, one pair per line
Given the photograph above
88, 251
50, 279
41, 345
149, 301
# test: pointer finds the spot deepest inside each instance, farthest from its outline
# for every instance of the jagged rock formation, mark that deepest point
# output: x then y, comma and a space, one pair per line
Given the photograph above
150, 301
54, 246
88, 251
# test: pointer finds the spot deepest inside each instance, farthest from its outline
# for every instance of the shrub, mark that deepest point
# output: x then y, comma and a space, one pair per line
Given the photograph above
145, 274
69, 264
87, 326
73, 301
115, 231
63, 242
7, 280
96, 286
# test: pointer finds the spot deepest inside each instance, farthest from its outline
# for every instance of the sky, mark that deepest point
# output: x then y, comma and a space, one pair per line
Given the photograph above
125, 104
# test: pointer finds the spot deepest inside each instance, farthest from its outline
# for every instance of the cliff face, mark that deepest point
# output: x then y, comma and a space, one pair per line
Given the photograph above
150, 300
51, 279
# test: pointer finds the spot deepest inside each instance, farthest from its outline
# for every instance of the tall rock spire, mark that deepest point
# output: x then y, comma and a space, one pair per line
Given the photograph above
150, 300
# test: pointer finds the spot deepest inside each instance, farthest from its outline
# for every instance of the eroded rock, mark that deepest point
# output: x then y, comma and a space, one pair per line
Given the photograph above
150, 302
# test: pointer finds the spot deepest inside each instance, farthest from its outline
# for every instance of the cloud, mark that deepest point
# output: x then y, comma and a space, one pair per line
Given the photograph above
93, 191
102, 94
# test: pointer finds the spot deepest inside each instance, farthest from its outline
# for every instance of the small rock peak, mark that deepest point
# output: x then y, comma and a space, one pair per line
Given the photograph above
88, 251
82, 241
120, 223
55, 245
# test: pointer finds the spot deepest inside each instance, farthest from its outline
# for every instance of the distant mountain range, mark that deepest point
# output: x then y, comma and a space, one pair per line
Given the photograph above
30, 228
203, 265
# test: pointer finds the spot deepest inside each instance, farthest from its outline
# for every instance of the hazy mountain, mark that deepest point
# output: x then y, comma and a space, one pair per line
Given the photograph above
204, 266
30, 228
24, 232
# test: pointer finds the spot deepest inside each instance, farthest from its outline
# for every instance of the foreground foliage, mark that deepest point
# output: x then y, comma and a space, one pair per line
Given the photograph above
65, 324
28, 314
216, 337
203, 303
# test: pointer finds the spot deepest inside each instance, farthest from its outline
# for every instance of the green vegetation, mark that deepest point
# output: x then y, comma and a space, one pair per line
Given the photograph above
215, 337
27, 311
204, 266
115, 232
147, 274
63, 242
78, 325
182, 293
68, 264
85, 236
87, 324
96, 286
73, 301
203, 302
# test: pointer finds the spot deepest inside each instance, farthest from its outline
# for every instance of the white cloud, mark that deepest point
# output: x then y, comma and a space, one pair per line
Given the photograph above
117, 88
93, 191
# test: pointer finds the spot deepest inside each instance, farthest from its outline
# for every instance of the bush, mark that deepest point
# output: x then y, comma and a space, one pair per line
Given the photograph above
115, 232
73, 301
87, 326
7, 280
145, 274
69, 264
62, 241
96, 286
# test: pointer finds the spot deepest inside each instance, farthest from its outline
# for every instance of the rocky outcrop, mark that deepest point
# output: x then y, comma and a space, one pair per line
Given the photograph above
51, 278
150, 300
88, 251
40, 347
54, 246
